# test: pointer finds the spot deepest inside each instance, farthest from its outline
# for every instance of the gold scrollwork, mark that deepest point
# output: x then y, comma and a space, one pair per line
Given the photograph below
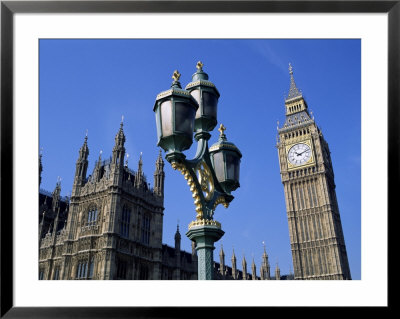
192, 185
205, 179
220, 200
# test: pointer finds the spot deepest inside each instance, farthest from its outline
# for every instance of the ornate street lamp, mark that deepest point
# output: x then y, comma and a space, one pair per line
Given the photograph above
213, 173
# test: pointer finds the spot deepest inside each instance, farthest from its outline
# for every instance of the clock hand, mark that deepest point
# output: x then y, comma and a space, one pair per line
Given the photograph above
302, 152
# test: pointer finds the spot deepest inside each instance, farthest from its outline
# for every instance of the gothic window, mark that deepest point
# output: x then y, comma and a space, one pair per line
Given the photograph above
92, 216
145, 230
121, 269
125, 221
82, 269
41, 274
56, 273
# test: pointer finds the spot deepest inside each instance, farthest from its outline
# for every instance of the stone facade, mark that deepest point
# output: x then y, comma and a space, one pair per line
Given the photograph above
316, 236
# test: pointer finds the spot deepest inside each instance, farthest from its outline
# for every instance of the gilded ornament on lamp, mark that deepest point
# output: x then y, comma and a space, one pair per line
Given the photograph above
176, 75
199, 66
205, 180
220, 200
222, 129
204, 222
186, 174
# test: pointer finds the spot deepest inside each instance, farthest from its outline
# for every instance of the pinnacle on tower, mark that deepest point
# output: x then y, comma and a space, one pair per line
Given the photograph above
119, 149
84, 150
81, 167
294, 92
221, 251
222, 261
159, 176
56, 194
244, 270
177, 233
120, 137
233, 259
253, 270
140, 164
277, 272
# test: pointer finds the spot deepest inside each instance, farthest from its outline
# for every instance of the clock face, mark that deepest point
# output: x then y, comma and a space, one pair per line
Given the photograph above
299, 154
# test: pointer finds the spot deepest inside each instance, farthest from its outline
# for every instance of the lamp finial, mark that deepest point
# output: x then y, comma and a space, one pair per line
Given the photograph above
222, 129
199, 66
176, 75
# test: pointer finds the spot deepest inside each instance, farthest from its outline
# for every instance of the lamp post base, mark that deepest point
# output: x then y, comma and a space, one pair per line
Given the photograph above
205, 236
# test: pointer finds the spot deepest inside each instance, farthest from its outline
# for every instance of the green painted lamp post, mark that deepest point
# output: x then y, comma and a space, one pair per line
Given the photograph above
214, 172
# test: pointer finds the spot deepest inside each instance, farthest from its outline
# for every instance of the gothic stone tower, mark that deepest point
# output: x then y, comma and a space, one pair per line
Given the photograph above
114, 226
316, 237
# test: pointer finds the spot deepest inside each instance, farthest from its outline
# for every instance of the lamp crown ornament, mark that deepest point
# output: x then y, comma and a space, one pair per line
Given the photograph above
176, 75
199, 66
222, 130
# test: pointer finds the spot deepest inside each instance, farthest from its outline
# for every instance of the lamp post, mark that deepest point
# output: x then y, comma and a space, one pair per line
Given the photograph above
214, 172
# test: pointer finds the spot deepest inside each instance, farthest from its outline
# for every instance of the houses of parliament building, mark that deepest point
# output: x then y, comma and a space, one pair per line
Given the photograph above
110, 228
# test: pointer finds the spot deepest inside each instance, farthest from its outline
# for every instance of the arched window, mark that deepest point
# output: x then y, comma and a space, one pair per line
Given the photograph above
92, 216
145, 229
125, 221
56, 273
83, 268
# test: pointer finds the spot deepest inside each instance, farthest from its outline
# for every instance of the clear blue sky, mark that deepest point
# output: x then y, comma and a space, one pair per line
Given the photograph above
90, 84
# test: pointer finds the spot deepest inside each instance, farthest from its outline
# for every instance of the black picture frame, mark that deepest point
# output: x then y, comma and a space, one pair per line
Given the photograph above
9, 8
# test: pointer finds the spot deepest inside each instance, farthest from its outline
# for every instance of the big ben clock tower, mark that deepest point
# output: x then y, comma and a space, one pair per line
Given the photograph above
316, 237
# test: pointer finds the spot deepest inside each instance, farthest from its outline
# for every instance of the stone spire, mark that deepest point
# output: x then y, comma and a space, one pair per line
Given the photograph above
177, 253
159, 176
96, 172
222, 261
234, 269
81, 166
56, 195
244, 268
277, 272
119, 149
139, 179
294, 92
265, 265
177, 239
296, 105
253, 270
